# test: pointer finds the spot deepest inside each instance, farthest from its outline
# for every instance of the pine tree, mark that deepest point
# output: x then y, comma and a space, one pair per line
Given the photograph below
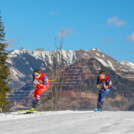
4, 71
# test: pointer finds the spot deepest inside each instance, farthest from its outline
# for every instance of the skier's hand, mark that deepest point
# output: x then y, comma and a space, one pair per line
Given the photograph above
98, 86
106, 87
35, 85
35, 82
41, 85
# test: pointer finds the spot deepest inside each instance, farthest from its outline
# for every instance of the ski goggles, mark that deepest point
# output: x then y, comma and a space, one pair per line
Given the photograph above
36, 75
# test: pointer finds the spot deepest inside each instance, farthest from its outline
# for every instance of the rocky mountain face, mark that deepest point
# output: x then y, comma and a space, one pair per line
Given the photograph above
76, 79
78, 83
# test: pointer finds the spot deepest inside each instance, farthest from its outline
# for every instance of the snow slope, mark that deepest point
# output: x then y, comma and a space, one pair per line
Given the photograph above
68, 122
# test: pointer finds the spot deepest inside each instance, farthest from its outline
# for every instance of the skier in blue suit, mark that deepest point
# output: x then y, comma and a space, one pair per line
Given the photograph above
104, 83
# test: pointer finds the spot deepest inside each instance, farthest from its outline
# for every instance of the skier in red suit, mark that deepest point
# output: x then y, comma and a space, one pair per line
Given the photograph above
40, 81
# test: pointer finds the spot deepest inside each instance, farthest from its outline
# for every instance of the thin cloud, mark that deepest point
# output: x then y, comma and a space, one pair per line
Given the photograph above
116, 22
65, 32
130, 38
120, 23
10, 42
53, 13
113, 19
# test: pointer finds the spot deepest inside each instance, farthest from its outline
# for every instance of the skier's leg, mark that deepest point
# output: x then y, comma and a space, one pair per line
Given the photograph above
42, 90
39, 92
34, 103
100, 101
106, 92
101, 97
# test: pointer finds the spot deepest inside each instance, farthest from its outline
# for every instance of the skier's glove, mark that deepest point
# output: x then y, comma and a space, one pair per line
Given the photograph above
35, 82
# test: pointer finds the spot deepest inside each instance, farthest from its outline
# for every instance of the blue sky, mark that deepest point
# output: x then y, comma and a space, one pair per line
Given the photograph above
83, 24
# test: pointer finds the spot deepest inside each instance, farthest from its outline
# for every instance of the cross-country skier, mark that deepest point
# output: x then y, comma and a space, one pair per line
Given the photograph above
105, 85
40, 81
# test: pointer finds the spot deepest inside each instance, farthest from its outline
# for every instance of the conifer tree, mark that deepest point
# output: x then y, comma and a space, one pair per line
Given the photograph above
4, 70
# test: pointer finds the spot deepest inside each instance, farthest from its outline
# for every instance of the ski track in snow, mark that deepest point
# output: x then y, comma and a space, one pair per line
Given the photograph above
68, 122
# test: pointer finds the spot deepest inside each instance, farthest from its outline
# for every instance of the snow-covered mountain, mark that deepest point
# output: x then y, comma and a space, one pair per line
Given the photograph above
125, 69
22, 62
106, 60
47, 57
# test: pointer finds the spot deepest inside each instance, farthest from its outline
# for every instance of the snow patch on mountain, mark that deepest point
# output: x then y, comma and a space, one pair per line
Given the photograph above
98, 54
128, 65
111, 65
103, 55
95, 49
102, 62
16, 74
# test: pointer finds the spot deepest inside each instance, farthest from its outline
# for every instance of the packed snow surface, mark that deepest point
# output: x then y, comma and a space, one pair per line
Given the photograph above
68, 122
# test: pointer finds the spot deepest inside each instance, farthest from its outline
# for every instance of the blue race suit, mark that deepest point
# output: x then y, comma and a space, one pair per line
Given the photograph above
103, 92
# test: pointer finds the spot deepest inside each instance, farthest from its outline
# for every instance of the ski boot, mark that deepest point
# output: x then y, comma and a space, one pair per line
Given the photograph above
98, 109
32, 109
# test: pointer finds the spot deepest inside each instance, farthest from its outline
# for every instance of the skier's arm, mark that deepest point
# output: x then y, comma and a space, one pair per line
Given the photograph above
45, 80
98, 83
35, 82
108, 83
